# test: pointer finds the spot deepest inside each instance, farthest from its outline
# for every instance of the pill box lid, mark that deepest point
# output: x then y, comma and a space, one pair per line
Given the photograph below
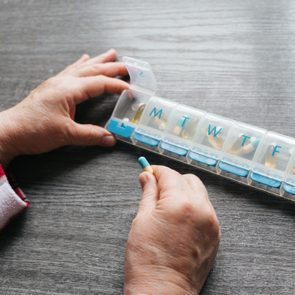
141, 74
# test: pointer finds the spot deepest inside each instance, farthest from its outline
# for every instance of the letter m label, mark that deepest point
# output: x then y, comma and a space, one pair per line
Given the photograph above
156, 113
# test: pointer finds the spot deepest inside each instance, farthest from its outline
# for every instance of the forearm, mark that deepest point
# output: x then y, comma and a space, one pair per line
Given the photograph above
12, 200
8, 134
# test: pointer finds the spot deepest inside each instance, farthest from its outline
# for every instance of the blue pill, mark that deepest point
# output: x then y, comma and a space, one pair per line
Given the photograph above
144, 164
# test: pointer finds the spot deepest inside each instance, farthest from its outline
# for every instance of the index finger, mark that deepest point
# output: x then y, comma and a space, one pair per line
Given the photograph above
97, 85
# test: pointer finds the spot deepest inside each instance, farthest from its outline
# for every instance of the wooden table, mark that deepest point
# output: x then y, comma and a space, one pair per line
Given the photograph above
233, 58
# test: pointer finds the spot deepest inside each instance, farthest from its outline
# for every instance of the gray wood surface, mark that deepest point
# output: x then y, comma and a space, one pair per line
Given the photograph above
233, 58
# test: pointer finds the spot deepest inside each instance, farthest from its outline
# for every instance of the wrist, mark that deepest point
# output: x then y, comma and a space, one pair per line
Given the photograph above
8, 130
157, 280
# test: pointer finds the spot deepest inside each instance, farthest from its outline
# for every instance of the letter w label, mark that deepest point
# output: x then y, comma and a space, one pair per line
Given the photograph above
156, 113
213, 129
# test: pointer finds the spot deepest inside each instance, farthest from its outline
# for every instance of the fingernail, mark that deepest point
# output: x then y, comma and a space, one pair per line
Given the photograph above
144, 178
108, 140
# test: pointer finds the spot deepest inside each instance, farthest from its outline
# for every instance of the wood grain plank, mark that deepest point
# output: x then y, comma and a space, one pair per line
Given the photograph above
234, 58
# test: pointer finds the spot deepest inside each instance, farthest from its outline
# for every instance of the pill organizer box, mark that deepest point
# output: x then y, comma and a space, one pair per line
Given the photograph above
241, 152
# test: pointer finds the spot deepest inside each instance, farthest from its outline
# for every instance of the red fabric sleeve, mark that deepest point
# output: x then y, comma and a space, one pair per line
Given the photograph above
12, 200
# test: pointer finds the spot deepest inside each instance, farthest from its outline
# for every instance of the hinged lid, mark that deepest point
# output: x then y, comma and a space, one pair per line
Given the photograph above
141, 74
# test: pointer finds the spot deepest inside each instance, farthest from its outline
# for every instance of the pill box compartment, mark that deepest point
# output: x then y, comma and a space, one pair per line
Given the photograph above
239, 151
271, 162
153, 124
131, 103
208, 142
182, 126
127, 113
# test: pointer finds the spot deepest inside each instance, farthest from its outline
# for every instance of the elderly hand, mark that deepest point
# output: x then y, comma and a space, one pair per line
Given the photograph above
44, 120
174, 237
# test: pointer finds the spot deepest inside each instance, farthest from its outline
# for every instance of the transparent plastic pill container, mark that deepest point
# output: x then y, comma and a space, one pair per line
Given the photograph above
241, 152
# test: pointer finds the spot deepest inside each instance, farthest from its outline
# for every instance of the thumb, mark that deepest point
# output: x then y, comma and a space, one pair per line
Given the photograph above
149, 195
87, 134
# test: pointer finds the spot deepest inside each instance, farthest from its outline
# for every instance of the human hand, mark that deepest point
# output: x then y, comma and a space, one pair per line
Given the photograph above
44, 120
174, 237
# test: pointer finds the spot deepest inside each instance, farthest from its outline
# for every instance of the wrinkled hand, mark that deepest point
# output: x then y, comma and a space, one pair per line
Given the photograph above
174, 237
44, 120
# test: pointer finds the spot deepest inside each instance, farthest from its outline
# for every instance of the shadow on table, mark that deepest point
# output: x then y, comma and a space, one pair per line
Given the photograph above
216, 182
94, 111
50, 165
11, 232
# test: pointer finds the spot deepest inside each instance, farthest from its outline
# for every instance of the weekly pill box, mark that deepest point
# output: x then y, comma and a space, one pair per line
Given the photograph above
244, 153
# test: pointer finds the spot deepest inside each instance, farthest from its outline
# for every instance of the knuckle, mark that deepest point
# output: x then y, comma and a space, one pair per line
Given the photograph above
212, 224
203, 193
53, 81
56, 83
193, 179
204, 217
70, 131
186, 210
85, 56
191, 176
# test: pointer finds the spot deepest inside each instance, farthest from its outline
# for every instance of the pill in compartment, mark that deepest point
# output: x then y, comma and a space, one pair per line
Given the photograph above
153, 123
181, 128
208, 142
127, 113
239, 150
271, 162
132, 102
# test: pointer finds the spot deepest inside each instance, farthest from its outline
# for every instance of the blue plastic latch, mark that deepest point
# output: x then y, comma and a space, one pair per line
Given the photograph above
174, 149
233, 169
202, 159
120, 128
146, 139
289, 188
260, 178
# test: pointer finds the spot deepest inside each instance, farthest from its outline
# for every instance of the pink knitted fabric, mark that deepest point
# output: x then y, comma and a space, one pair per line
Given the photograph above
12, 201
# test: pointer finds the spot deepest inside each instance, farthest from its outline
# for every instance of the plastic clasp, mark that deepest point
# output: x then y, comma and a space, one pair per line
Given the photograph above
141, 75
